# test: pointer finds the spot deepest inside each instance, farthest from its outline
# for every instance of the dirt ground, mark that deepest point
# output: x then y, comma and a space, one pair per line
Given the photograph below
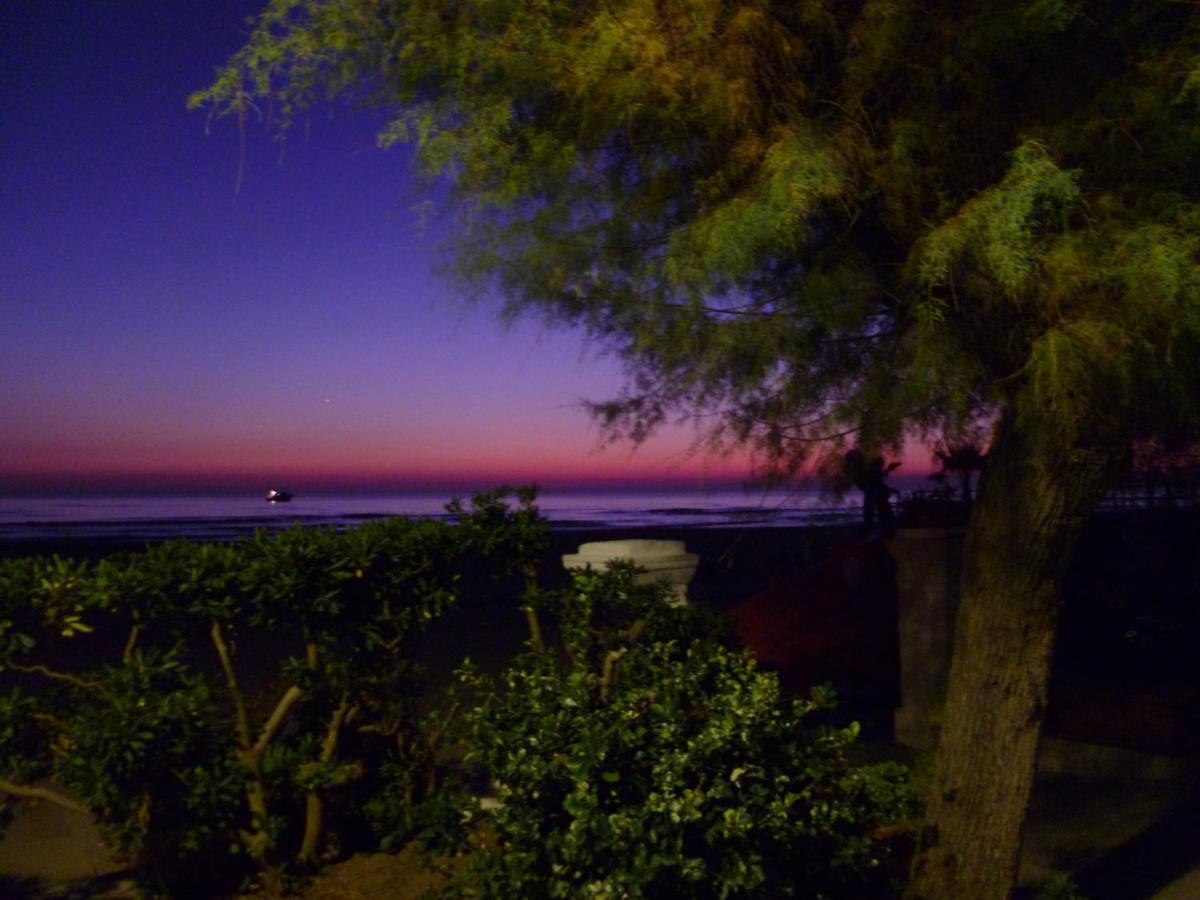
374, 876
48, 852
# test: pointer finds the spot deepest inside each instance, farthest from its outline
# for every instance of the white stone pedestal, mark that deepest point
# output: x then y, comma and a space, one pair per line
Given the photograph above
657, 560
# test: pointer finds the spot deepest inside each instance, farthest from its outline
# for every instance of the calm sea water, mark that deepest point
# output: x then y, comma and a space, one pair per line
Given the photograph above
137, 518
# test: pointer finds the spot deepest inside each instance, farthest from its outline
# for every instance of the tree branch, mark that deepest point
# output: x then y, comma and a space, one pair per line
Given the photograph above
610, 666
289, 699
535, 628
64, 677
40, 793
436, 735
256, 839
314, 805
130, 643
239, 704
53, 721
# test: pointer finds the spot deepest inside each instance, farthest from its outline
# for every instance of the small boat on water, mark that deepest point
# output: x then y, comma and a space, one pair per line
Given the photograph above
278, 496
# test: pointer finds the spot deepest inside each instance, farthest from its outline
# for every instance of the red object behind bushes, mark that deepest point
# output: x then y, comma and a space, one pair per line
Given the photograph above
835, 622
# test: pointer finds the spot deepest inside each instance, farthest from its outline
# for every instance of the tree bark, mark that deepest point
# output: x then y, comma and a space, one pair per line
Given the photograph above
256, 838
1041, 484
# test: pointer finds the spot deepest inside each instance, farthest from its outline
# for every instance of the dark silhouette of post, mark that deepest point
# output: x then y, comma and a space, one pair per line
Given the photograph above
870, 477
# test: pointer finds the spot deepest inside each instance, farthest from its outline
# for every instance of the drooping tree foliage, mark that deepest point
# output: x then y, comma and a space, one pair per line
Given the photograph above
810, 220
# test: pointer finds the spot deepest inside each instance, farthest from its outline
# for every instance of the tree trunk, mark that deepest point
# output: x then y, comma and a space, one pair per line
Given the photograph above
314, 803
1040, 486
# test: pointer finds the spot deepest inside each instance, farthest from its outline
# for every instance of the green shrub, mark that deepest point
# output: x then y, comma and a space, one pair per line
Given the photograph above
222, 708
142, 753
652, 761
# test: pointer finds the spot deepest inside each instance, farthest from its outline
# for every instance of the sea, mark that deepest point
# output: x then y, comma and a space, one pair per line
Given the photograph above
147, 518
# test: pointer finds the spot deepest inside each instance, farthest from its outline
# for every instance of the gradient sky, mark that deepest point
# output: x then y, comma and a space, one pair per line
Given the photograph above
161, 329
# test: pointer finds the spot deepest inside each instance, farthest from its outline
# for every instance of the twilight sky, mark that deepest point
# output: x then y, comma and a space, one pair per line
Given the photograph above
160, 328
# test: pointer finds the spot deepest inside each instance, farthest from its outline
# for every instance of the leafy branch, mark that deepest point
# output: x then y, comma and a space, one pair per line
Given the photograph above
41, 793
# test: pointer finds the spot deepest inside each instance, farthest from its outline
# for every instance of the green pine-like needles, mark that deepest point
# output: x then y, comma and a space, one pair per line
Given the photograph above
806, 217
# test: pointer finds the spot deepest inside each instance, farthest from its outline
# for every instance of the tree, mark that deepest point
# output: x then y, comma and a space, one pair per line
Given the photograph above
960, 460
816, 223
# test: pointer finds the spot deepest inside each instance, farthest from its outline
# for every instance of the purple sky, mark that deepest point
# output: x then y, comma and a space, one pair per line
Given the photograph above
160, 328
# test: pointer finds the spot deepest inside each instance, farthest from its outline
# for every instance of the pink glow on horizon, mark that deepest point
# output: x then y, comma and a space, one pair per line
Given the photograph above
117, 466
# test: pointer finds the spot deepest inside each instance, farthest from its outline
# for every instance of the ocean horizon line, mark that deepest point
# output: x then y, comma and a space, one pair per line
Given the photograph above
214, 517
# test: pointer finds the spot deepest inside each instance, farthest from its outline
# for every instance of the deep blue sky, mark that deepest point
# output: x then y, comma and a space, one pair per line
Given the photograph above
159, 327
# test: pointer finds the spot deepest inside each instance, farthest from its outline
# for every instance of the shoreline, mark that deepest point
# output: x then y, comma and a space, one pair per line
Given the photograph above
764, 541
